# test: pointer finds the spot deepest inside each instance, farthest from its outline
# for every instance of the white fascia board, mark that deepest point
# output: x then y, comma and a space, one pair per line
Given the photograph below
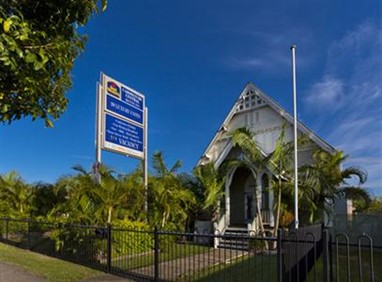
301, 127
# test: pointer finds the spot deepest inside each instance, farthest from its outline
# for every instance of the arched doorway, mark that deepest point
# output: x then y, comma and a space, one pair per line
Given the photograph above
242, 197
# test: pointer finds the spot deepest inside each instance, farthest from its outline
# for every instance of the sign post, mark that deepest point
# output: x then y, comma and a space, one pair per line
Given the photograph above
98, 133
145, 166
121, 123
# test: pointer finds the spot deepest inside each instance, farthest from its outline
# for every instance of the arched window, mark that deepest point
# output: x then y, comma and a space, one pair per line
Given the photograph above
265, 192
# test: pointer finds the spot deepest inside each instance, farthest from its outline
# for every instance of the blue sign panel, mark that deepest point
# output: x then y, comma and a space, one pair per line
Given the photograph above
122, 136
132, 99
123, 109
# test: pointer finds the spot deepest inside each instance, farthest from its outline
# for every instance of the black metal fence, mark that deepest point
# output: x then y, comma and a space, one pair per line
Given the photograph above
308, 254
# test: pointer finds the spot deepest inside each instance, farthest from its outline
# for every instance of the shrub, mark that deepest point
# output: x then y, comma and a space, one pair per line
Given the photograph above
131, 237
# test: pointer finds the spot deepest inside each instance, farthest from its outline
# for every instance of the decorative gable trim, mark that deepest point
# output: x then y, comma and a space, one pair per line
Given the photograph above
250, 98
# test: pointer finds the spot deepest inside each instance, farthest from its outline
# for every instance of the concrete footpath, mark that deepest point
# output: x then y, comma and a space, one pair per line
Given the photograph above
12, 273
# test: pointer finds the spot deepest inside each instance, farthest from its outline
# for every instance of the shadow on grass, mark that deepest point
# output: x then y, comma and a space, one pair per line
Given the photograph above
254, 268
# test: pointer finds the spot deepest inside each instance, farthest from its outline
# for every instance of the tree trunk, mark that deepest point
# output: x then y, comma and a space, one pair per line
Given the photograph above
262, 230
278, 210
109, 213
164, 219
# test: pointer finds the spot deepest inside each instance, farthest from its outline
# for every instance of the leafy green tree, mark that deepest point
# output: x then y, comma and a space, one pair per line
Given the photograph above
91, 202
324, 181
375, 206
360, 197
113, 192
213, 186
78, 206
135, 198
46, 197
253, 159
169, 201
16, 195
39, 43
279, 162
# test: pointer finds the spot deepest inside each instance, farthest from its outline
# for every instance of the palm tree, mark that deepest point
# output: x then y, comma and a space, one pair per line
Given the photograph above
324, 181
90, 202
212, 183
16, 193
135, 196
111, 194
77, 206
169, 200
45, 198
279, 162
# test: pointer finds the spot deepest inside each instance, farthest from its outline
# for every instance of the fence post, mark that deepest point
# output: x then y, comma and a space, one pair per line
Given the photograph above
325, 258
28, 234
279, 256
109, 247
6, 228
156, 254
330, 256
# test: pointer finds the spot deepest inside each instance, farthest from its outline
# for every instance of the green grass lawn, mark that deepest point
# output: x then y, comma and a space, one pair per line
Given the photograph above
50, 268
254, 268
171, 253
264, 268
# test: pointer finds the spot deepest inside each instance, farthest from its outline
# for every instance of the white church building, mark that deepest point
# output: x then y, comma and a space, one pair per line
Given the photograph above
243, 189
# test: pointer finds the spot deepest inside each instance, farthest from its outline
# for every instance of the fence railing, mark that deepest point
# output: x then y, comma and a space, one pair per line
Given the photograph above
307, 254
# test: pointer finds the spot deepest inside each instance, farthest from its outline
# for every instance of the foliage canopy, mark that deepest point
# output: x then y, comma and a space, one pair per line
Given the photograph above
39, 43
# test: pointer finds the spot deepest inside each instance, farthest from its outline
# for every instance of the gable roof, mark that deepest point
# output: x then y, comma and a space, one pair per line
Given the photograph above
260, 98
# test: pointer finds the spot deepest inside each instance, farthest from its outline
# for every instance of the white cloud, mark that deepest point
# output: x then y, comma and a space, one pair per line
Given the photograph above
326, 93
347, 99
264, 62
270, 50
360, 46
353, 72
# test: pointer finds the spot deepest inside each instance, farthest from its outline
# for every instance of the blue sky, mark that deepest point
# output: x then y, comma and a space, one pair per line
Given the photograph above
191, 59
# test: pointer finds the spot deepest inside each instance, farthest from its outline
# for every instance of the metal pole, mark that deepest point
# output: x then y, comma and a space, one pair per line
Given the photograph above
279, 256
98, 132
109, 242
145, 174
156, 254
293, 49
325, 255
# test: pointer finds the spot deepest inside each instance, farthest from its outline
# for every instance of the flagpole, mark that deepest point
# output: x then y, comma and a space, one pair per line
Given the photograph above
296, 222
